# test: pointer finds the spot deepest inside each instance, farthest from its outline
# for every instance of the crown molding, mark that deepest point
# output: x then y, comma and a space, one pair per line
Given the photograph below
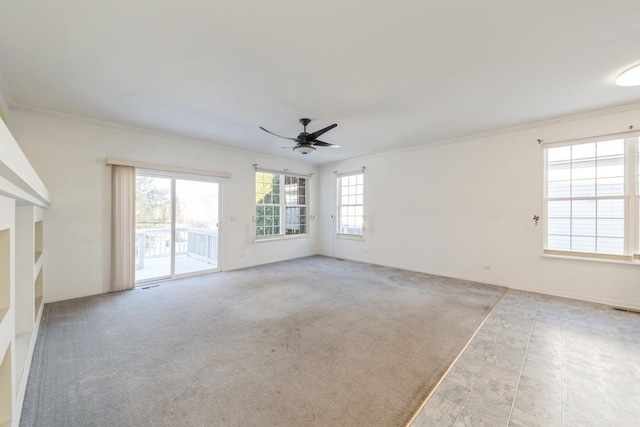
498, 132
144, 131
104, 123
501, 131
550, 122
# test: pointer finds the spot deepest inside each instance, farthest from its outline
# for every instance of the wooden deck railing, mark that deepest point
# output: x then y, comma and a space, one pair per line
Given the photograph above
194, 242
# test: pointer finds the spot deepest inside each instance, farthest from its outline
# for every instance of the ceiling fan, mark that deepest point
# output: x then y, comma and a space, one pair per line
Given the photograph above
307, 142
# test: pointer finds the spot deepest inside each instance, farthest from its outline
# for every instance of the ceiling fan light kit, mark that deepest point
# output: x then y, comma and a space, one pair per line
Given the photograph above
630, 77
304, 149
307, 142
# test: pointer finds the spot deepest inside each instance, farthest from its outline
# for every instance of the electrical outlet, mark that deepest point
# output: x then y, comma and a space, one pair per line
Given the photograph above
486, 267
232, 219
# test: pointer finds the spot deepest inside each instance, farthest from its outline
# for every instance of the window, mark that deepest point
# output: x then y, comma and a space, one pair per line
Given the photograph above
279, 197
350, 204
176, 225
295, 205
592, 198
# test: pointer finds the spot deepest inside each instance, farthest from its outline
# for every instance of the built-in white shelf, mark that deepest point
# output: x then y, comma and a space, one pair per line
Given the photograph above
23, 197
38, 295
28, 301
37, 267
5, 271
6, 407
37, 240
22, 351
37, 306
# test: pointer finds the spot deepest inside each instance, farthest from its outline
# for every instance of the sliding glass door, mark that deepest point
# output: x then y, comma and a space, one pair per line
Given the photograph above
153, 227
196, 226
176, 226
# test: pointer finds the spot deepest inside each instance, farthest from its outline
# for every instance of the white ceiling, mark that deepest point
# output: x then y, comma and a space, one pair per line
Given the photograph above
391, 74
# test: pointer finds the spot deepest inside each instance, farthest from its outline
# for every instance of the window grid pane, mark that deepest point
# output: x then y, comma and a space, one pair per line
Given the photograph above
585, 197
267, 204
271, 204
350, 204
295, 220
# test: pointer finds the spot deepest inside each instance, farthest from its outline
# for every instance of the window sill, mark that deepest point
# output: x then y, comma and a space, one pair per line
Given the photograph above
280, 237
632, 262
359, 237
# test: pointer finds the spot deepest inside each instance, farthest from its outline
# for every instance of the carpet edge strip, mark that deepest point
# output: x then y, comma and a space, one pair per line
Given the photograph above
424, 402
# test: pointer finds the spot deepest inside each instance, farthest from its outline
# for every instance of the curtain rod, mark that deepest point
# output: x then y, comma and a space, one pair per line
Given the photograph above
283, 172
356, 172
167, 168
618, 135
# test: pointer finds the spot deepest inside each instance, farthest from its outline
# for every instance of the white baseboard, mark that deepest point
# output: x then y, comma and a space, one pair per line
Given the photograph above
542, 291
68, 297
106, 291
570, 295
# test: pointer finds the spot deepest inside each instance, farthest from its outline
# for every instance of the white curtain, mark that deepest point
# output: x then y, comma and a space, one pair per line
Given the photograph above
123, 216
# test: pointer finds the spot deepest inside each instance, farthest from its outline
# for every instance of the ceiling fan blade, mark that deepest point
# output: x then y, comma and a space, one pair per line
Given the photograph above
314, 135
325, 144
275, 134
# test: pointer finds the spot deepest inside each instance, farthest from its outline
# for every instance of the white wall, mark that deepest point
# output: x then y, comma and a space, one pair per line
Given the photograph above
456, 209
449, 209
70, 157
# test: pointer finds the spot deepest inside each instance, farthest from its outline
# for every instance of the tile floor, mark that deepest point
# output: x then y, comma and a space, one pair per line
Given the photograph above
544, 361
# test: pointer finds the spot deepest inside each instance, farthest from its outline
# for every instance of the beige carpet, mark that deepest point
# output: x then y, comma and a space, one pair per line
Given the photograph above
308, 342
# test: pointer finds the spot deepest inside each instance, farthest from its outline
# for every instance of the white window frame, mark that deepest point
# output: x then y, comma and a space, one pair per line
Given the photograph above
295, 206
284, 207
343, 231
631, 198
173, 176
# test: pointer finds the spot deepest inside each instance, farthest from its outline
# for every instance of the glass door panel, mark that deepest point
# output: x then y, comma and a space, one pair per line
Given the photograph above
196, 226
153, 228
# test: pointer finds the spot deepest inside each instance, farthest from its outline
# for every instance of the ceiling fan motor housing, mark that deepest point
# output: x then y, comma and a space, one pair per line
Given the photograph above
306, 141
